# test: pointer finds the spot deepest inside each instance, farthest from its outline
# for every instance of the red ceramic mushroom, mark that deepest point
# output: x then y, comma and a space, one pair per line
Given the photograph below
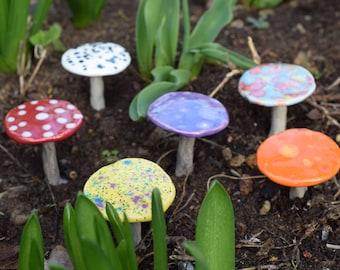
298, 158
45, 122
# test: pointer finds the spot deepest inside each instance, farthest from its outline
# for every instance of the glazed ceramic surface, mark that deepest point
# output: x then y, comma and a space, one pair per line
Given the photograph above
188, 113
45, 120
276, 84
299, 157
127, 184
96, 59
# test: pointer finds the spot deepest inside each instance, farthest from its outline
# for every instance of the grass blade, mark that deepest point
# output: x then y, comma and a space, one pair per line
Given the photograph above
159, 232
31, 253
215, 231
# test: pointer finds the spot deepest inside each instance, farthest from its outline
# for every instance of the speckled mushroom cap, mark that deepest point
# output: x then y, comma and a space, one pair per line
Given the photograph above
127, 184
45, 120
276, 84
188, 113
299, 157
96, 59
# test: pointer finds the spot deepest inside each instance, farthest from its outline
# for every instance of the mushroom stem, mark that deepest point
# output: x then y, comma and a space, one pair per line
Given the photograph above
185, 155
278, 120
136, 229
50, 163
97, 93
297, 192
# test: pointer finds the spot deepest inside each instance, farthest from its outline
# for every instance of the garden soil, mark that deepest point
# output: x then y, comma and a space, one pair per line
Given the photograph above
272, 232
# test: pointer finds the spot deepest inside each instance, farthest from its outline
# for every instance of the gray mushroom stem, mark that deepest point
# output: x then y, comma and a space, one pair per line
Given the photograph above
97, 99
278, 119
297, 192
185, 155
136, 229
50, 163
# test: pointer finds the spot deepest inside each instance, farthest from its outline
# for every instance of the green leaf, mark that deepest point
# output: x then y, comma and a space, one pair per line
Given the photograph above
159, 232
141, 102
53, 266
71, 238
92, 226
40, 14
218, 52
44, 38
31, 253
85, 11
195, 251
215, 230
262, 3
123, 235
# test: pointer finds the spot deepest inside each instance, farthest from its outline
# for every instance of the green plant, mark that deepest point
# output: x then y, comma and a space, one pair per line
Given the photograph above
260, 4
91, 245
110, 155
157, 38
85, 11
17, 25
214, 248
260, 23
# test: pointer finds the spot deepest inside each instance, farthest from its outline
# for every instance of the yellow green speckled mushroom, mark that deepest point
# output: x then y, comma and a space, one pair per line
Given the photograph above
127, 184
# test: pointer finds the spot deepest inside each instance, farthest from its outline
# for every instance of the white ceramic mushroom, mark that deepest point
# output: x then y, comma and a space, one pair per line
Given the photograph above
96, 60
45, 122
190, 115
127, 184
276, 85
299, 158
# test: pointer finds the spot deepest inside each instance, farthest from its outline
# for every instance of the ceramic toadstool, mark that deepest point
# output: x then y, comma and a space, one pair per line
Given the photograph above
127, 184
276, 85
96, 60
45, 122
190, 115
298, 158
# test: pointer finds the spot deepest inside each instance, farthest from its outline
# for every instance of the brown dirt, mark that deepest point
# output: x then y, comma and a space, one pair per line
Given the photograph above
289, 236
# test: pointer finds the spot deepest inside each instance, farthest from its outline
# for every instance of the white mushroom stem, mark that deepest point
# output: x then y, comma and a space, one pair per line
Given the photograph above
297, 192
50, 163
97, 99
185, 155
278, 120
136, 229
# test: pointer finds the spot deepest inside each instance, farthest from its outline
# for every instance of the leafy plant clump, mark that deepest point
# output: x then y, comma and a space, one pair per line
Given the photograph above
157, 38
17, 25
91, 245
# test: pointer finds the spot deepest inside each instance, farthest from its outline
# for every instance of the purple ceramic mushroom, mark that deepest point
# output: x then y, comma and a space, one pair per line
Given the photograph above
190, 115
276, 85
96, 60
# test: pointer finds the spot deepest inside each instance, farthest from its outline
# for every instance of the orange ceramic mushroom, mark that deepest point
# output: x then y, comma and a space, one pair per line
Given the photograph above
299, 158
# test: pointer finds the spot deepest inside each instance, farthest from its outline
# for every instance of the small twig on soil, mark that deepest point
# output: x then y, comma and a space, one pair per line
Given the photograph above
324, 112
164, 155
334, 84
261, 267
226, 79
181, 198
332, 246
233, 177
255, 55
13, 158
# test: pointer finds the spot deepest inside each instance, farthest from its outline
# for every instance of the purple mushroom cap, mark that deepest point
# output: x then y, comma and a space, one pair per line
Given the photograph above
276, 84
189, 114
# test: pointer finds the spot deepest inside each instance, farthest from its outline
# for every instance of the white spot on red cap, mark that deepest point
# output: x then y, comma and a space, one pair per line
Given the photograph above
41, 116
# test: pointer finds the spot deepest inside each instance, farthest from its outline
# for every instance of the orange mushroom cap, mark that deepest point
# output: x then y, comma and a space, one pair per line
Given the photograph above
299, 157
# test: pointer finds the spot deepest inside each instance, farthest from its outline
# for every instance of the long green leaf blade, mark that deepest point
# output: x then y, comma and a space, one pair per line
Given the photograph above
71, 238
40, 14
31, 253
215, 230
159, 232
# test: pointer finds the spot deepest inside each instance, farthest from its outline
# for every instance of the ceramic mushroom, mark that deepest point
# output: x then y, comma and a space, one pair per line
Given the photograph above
298, 158
45, 122
96, 60
127, 184
276, 85
190, 115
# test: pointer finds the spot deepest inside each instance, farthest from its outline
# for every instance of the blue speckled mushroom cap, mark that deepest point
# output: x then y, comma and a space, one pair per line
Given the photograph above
96, 59
189, 114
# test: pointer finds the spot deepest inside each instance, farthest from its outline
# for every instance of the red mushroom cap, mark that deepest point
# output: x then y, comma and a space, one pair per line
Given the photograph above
45, 120
299, 157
